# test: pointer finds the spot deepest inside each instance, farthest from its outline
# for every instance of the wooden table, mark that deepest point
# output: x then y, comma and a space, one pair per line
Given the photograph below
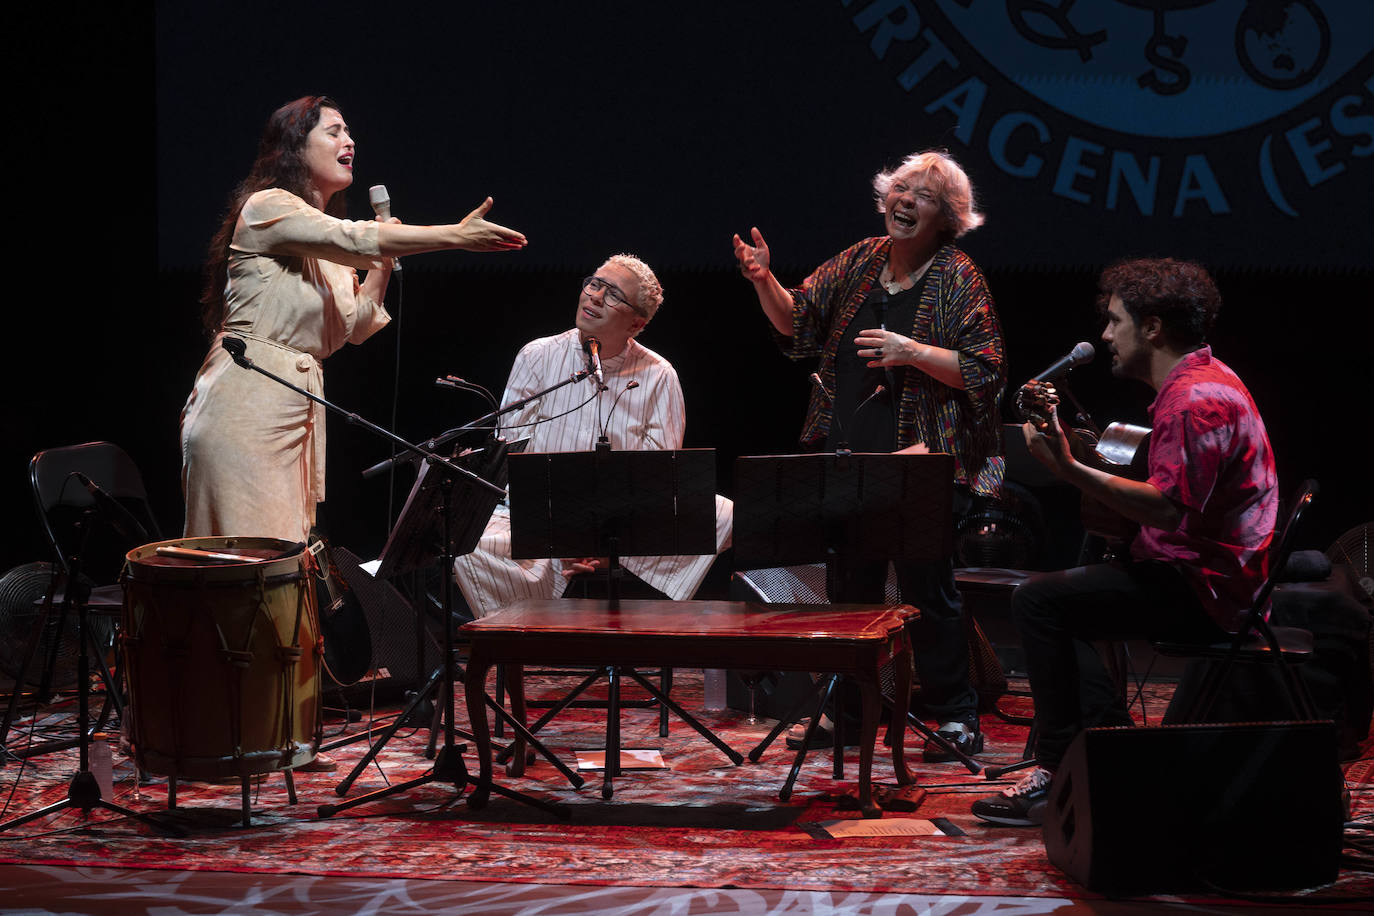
850, 639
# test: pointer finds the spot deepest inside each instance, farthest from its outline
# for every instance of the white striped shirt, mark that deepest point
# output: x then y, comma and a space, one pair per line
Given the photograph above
651, 416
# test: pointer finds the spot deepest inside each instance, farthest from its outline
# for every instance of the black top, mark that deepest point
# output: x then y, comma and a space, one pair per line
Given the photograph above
871, 426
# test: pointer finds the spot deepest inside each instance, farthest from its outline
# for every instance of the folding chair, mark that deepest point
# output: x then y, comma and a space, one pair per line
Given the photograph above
94, 509
1257, 641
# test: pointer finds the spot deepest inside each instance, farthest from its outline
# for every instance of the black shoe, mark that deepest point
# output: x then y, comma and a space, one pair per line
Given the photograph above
970, 742
1020, 805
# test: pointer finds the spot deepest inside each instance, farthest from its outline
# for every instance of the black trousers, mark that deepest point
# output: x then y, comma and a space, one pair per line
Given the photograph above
938, 637
1057, 613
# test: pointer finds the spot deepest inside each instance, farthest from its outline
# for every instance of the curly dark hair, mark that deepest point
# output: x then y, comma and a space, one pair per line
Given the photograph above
1180, 293
280, 164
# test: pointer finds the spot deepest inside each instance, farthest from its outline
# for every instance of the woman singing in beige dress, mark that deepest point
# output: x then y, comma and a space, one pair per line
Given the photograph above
282, 275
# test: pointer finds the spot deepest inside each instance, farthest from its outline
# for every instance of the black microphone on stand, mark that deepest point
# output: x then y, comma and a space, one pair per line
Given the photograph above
381, 205
453, 381
593, 348
604, 442
817, 381
843, 438
1031, 393
1081, 354
114, 512
864, 403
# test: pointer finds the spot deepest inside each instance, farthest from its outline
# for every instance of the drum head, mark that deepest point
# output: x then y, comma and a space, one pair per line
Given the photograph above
212, 559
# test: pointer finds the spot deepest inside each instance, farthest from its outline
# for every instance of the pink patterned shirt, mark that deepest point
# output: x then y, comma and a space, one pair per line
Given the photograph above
1210, 454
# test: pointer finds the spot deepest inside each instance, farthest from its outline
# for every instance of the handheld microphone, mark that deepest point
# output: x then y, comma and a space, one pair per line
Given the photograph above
236, 347
381, 205
120, 518
593, 348
1081, 354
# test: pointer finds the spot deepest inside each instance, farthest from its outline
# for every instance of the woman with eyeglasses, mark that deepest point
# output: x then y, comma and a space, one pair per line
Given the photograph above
282, 275
910, 361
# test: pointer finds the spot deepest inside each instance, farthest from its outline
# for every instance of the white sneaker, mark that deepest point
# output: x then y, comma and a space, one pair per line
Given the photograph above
1019, 805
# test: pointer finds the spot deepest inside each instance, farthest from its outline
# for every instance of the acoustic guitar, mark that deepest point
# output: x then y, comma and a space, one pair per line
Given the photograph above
1122, 449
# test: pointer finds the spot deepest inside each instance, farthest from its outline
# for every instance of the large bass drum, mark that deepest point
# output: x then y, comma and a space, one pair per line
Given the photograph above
222, 650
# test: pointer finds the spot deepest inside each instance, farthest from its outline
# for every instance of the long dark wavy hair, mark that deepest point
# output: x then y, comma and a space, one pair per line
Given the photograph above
280, 164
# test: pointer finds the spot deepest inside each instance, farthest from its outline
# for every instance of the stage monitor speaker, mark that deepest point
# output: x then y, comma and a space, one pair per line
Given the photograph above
1247, 806
402, 656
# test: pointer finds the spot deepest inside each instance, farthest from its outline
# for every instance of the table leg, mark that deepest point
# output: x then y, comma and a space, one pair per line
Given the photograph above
896, 727
515, 678
475, 693
868, 735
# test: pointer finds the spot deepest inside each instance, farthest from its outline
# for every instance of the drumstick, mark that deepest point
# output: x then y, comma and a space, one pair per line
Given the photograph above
188, 553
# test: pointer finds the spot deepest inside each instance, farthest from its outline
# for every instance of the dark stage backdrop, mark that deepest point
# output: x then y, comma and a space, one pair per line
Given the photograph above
1236, 133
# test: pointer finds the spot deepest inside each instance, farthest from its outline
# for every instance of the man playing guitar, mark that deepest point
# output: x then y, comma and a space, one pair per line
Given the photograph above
1207, 512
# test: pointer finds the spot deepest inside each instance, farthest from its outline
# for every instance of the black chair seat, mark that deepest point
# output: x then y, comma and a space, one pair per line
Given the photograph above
103, 599
1296, 645
1259, 639
94, 508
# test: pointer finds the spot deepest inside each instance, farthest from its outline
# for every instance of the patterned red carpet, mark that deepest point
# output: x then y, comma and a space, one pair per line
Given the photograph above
701, 822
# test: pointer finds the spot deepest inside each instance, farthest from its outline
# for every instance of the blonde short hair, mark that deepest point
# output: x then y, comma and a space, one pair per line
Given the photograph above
945, 178
650, 291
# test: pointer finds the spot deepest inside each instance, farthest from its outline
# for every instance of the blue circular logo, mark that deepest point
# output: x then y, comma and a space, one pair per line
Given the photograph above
1168, 68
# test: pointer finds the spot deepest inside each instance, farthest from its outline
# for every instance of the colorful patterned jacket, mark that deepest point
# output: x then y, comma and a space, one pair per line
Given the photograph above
956, 312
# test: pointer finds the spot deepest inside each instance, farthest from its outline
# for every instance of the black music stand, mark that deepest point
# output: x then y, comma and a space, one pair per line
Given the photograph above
613, 504
444, 518
797, 509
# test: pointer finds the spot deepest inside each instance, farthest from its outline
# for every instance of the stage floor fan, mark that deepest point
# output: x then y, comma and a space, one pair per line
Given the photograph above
1355, 547
1007, 532
21, 593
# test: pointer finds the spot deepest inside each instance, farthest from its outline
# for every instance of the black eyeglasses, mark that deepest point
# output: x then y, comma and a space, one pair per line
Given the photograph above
612, 294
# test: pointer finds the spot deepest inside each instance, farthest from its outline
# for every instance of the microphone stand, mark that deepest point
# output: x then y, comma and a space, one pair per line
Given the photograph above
1081, 418
84, 792
481, 423
448, 765
236, 348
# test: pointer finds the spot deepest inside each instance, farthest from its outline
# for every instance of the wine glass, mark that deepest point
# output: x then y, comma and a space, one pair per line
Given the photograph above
752, 679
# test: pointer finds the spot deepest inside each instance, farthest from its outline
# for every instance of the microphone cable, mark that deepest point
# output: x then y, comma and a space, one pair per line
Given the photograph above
835, 417
397, 276
546, 419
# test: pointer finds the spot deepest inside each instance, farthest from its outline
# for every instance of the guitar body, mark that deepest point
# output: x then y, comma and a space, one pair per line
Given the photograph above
1122, 450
